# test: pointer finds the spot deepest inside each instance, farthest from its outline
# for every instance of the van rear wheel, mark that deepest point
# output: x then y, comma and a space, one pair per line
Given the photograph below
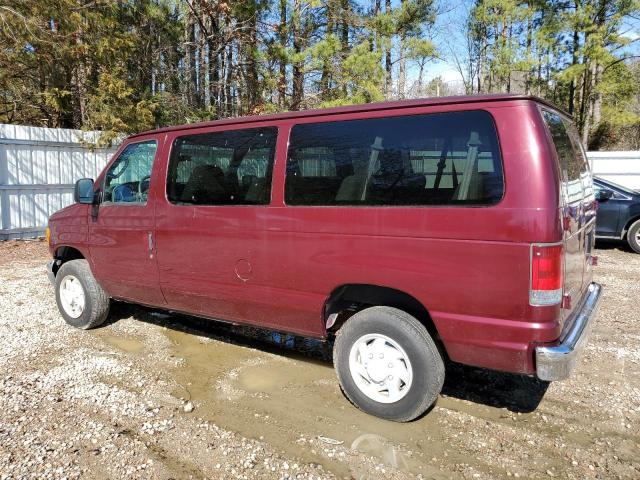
387, 364
81, 300
633, 236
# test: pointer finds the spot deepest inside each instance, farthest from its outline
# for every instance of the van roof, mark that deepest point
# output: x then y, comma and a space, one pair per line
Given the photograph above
366, 107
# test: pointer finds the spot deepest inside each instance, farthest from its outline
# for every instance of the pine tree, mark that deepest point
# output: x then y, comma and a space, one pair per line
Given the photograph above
128, 66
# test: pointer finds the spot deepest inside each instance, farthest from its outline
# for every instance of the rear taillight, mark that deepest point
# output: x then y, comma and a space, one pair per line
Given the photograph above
546, 275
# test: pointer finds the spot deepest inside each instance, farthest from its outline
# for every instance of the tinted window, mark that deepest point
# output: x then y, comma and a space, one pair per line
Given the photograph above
128, 178
222, 168
446, 158
570, 154
573, 164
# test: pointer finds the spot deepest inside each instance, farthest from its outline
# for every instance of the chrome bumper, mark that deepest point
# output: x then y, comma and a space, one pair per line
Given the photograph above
556, 363
51, 264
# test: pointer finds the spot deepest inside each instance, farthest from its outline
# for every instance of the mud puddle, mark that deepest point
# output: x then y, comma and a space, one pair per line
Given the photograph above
125, 344
283, 390
294, 403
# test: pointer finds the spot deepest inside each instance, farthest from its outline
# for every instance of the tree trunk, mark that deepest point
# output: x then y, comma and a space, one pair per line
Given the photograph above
387, 61
598, 69
575, 45
282, 36
574, 61
79, 83
253, 94
481, 62
189, 56
527, 87
228, 80
373, 40
596, 109
213, 63
585, 106
298, 74
202, 67
325, 78
223, 83
402, 76
344, 35
402, 68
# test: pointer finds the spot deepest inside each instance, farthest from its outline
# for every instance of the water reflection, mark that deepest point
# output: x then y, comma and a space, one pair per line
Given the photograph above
496, 389
243, 335
381, 448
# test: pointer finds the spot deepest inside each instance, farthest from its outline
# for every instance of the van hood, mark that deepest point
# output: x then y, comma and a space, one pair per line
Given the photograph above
75, 210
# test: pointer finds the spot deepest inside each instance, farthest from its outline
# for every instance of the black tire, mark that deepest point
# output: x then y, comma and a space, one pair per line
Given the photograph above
633, 236
413, 338
96, 307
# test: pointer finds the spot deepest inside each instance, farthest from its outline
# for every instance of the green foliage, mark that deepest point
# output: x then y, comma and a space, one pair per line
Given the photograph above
568, 52
361, 78
620, 123
418, 48
123, 67
114, 109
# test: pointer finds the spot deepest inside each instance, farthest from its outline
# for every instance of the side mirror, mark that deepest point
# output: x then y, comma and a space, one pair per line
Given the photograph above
604, 195
83, 191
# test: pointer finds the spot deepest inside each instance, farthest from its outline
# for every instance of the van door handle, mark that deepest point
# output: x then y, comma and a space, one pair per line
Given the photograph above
150, 240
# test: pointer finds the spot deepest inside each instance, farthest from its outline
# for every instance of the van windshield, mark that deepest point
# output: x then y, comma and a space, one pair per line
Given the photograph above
436, 159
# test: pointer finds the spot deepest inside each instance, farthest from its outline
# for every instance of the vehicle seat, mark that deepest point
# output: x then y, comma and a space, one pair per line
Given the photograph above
352, 187
256, 192
123, 193
205, 185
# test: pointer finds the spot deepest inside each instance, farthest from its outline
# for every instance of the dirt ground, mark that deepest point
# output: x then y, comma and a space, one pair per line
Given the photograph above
151, 395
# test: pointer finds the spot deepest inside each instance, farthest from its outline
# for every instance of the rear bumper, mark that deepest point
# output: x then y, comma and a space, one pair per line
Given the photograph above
556, 362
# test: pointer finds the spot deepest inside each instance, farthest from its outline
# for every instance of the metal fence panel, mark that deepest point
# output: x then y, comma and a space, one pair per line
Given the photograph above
38, 168
622, 168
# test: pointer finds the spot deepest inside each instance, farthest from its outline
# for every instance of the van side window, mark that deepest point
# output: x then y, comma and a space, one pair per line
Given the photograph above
233, 167
573, 165
567, 143
127, 180
436, 159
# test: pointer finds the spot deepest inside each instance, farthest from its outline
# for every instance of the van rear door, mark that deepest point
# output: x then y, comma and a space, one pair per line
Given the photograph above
577, 207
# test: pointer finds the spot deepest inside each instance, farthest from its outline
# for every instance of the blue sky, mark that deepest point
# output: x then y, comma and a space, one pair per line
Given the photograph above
449, 34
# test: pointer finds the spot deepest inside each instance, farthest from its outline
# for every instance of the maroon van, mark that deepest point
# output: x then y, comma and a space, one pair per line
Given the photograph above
409, 231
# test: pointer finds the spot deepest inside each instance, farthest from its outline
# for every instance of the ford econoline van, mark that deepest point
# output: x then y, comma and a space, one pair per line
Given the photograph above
408, 232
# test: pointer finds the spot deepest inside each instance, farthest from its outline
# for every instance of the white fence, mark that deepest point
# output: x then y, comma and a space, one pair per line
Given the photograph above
622, 168
38, 168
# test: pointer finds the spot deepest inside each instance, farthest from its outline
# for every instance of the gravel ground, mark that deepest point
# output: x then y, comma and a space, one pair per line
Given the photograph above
151, 395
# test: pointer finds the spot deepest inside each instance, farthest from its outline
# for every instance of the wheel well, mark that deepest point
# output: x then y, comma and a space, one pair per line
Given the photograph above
346, 300
65, 254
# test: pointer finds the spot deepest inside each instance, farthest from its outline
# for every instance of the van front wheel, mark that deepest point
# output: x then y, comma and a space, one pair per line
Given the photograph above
81, 300
387, 364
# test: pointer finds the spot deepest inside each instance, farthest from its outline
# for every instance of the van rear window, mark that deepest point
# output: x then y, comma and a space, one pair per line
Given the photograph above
436, 159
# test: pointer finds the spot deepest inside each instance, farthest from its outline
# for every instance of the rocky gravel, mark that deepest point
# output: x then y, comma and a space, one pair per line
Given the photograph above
152, 395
